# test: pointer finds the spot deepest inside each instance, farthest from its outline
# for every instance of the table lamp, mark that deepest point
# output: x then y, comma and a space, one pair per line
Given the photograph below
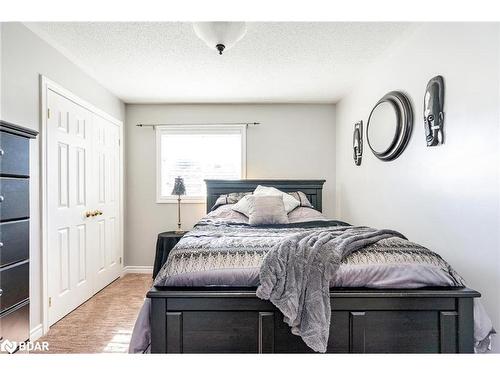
179, 189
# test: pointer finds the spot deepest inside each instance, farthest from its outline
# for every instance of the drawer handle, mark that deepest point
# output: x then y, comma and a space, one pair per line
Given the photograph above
1, 244
2, 152
2, 198
1, 292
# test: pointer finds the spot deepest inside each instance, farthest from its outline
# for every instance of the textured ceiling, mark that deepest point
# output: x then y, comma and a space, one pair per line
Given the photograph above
274, 62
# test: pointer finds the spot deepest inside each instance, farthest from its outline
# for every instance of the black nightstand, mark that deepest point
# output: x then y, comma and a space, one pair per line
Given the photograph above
166, 242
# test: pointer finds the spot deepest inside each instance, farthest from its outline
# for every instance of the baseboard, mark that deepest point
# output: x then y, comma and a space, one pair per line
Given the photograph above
36, 333
137, 269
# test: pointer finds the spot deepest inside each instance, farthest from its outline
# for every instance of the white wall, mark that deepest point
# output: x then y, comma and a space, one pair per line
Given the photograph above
23, 57
446, 197
293, 141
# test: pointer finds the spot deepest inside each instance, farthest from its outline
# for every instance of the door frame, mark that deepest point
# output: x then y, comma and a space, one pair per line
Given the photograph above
45, 85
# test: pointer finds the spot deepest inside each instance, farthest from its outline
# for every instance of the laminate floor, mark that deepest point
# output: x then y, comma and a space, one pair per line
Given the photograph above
104, 323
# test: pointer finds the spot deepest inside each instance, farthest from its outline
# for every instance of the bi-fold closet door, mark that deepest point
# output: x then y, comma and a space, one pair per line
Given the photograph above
83, 204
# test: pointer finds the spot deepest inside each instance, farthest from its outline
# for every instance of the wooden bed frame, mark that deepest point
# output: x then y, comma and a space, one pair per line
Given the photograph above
234, 320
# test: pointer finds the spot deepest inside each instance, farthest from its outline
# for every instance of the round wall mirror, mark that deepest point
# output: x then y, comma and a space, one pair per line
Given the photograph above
389, 126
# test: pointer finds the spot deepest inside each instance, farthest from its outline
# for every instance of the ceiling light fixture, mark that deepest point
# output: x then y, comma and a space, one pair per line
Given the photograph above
220, 35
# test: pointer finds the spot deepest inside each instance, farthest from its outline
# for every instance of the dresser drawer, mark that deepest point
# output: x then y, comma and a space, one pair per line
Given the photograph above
14, 242
14, 155
15, 324
14, 284
14, 198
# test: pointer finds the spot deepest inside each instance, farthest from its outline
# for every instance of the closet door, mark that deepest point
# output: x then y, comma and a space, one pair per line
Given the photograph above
83, 204
106, 153
70, 237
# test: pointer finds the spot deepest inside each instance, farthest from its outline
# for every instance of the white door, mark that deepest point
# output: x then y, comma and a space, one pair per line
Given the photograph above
83, 181
106, 152
69, 235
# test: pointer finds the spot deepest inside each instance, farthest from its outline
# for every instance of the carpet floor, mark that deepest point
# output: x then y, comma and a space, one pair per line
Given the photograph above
104, 323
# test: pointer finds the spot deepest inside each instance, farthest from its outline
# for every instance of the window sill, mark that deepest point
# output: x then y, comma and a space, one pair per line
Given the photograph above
196, 200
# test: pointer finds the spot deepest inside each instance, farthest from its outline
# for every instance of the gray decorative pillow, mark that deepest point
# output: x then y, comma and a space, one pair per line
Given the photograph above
230, 198
302, 198
266, 209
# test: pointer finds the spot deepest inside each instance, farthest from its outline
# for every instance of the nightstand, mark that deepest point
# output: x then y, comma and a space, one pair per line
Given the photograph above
166, 242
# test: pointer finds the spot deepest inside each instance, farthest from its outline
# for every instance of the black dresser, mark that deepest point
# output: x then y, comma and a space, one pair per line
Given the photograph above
14, 231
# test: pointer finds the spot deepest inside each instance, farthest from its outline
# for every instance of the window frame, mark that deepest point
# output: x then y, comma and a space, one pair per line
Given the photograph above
195, 129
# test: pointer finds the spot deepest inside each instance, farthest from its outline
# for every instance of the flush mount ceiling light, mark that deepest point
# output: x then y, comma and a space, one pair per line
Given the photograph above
220, 35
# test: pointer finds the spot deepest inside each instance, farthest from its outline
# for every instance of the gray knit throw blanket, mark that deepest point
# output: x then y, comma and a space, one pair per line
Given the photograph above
295, 276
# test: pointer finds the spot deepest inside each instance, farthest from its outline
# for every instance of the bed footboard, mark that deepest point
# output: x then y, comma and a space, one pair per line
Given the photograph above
363, 321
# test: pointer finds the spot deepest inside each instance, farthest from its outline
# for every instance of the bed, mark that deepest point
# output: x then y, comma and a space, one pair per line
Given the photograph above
225, 318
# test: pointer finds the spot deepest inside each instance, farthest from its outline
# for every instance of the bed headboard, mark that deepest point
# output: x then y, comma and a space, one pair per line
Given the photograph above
312, 188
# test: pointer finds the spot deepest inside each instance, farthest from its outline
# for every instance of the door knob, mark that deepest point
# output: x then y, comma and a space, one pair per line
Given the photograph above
93, 213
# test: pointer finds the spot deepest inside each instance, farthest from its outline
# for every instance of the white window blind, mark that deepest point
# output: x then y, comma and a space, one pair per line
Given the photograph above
198, 153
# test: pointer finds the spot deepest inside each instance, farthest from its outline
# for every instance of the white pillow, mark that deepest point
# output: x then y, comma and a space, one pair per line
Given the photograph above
290, 202
243, 206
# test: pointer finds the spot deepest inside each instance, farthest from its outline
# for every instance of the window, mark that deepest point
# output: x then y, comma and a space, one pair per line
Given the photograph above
197, 153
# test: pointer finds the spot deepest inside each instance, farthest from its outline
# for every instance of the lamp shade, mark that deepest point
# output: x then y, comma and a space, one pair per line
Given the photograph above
179, 187
220, 36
